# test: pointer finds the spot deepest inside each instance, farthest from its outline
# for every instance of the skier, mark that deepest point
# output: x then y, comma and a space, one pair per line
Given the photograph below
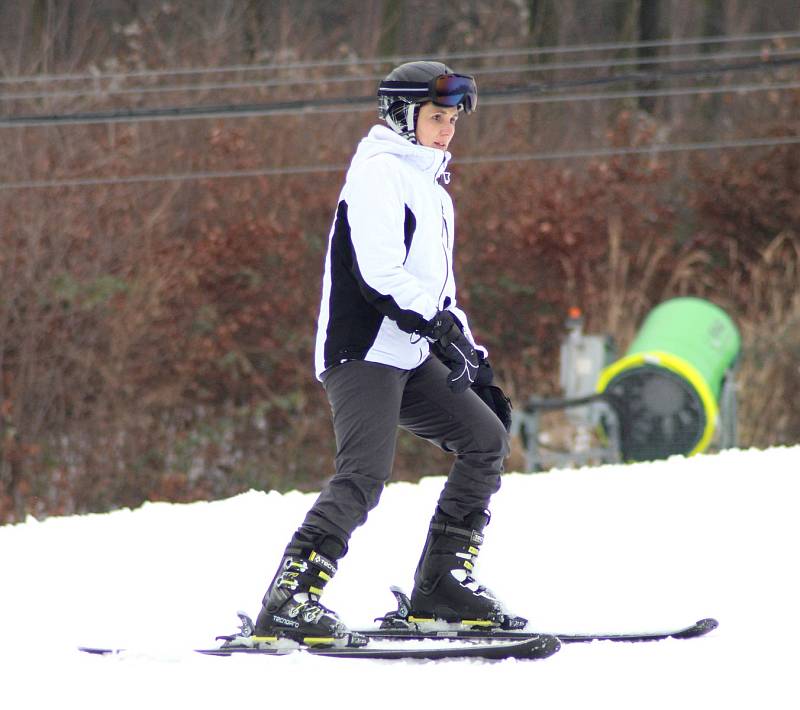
394, 349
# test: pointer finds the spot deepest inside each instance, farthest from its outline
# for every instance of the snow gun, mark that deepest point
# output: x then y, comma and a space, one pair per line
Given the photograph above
672, 393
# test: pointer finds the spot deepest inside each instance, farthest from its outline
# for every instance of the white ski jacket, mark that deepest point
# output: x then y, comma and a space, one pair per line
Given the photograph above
389, 266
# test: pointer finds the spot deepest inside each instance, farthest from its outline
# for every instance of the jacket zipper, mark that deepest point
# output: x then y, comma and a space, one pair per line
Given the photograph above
445, 243
445, 234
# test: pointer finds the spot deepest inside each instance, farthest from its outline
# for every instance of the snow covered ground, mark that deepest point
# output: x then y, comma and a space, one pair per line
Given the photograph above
611, 548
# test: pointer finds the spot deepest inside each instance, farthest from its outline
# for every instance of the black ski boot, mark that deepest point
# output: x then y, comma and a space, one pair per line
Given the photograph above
444, 588
291, 607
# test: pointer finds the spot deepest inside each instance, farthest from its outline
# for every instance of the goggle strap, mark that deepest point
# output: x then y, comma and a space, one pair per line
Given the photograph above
403, 87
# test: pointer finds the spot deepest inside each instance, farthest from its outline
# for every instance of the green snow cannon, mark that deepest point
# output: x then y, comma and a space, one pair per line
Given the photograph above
666, 389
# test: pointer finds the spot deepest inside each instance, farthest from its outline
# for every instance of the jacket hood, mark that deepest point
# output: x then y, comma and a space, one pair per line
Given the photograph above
382, 140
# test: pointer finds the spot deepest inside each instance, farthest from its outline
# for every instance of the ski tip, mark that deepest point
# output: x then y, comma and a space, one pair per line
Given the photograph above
547, 646
699, 628
536, 647
100, 651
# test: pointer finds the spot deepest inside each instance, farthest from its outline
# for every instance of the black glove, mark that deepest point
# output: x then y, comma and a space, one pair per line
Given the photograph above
451, 346
492, 395
497, 401
485, 375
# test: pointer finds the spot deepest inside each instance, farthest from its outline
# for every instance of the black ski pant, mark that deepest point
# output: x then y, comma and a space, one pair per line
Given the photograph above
368, 402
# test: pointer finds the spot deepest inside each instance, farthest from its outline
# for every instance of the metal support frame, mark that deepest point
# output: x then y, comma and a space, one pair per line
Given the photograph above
527, 425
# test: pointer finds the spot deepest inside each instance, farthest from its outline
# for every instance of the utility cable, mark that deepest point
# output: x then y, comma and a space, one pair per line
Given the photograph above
386, 60
653, 149
105, 91
341, 104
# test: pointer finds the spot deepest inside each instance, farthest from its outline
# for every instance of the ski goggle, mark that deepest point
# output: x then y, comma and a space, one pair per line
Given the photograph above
444, 90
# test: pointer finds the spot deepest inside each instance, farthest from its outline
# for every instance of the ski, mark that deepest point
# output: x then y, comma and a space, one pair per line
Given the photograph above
436, 639
536, 646
402, 624
356, 645
699, 628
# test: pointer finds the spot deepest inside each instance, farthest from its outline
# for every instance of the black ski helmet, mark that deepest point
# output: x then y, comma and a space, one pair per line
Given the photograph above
410, 85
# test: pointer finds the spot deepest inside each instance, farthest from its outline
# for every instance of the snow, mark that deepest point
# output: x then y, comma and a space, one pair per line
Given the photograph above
609, 548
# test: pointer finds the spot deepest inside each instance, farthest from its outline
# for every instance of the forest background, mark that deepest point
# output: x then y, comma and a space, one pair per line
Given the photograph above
170, 169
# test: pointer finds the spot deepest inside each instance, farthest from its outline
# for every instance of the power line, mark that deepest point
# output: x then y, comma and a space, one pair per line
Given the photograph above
344, 63
343, 104
329, 106
649, 77
651, 93
638, 150
99, 91
744, 143
633, 61
172, 177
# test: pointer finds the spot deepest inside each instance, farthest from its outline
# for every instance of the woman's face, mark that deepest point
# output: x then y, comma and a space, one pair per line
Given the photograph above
436, 125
